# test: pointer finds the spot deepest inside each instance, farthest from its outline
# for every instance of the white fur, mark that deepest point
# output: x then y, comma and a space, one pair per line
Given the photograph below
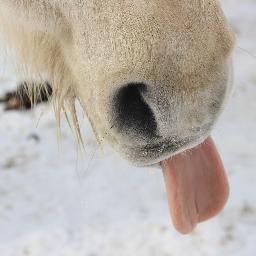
89, 49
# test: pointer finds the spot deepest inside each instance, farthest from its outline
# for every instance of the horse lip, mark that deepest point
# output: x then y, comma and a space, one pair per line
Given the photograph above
153, 154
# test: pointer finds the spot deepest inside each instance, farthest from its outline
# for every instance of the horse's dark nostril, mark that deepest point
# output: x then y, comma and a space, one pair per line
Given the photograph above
132, 115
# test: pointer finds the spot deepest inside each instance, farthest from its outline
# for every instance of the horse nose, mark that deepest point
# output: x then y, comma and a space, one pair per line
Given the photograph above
132, 115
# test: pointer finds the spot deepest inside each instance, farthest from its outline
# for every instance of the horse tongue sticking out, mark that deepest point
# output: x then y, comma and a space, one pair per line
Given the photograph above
197, 186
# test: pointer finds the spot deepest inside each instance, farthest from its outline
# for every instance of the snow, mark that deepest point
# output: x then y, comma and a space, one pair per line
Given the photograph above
56, 202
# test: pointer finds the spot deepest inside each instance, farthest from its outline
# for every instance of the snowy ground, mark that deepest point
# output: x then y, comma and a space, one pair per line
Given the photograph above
54, 204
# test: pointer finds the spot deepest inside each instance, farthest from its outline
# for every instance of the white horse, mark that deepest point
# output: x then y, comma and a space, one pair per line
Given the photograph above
152, 77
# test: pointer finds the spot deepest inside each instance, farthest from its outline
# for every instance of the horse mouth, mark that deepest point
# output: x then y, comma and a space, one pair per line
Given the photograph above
196, 182
152, 154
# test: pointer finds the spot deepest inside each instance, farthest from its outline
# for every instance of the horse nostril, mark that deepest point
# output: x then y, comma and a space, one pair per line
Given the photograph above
132, 115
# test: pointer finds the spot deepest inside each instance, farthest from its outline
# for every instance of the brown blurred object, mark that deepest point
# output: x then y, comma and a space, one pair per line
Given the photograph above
20, 99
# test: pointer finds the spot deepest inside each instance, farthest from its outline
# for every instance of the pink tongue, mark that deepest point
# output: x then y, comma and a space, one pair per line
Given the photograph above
197, 186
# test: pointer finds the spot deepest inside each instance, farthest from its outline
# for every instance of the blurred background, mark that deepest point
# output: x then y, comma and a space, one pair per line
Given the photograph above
55, 201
